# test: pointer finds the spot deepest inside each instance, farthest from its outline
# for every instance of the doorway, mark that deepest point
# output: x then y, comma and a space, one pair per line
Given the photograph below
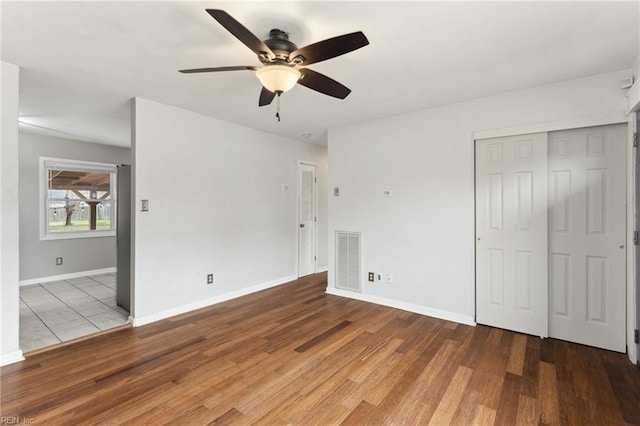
550, 224
58, 308
307, 219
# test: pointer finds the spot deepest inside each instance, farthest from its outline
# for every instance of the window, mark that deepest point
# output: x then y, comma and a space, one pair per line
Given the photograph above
79, 199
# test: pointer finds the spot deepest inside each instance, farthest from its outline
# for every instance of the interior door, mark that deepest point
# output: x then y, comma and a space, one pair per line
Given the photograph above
511, 233
587, 222
307, 220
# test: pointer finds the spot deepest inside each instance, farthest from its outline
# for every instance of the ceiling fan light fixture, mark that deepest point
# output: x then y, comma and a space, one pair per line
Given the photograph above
278, 78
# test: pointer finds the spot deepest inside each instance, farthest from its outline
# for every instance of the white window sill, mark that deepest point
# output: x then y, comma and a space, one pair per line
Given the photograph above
74, 235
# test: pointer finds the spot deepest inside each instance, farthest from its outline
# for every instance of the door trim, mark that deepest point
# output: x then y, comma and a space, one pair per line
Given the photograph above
551, 126
634, 254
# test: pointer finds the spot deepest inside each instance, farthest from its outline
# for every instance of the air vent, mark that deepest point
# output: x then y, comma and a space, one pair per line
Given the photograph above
348, 260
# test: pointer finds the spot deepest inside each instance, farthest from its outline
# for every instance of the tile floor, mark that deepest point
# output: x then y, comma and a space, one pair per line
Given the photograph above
59, 311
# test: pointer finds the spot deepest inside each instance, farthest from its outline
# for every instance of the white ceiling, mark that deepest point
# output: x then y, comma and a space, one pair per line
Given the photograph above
82, 61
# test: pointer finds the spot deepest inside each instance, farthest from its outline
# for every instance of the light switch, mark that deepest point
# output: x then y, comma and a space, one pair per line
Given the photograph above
336, 191
145, 205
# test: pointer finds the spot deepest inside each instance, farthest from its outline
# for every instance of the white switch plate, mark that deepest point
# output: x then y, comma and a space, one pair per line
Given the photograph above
144, 205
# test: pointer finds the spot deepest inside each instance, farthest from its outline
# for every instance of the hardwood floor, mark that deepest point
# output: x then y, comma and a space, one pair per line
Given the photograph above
294, 355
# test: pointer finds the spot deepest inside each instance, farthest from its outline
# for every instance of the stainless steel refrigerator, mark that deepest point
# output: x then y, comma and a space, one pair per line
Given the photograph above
123, 233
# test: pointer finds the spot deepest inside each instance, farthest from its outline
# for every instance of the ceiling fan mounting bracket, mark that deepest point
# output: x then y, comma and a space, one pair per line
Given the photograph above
279, 34
280, 44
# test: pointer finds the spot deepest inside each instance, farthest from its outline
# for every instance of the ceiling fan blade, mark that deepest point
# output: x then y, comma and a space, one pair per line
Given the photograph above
241, 33
218, 69
323, 84
266, 97
330, 48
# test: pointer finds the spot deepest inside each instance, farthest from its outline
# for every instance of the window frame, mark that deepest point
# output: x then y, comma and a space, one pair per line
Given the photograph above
47, 163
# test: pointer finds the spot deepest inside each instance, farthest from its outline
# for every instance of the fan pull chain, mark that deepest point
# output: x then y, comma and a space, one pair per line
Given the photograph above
278, 107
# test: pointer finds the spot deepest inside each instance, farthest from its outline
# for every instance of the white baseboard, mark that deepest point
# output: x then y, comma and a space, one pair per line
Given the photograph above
157, 316
323, 269
11, 357
68, 276
410, 307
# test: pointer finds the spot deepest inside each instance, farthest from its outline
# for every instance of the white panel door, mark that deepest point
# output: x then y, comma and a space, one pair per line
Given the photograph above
511, 233
587, 222
307, 220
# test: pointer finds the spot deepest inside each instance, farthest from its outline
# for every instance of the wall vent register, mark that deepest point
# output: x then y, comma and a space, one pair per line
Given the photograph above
348, 261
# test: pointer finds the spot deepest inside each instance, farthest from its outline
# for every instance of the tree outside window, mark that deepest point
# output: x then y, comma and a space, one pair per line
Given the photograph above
79, 199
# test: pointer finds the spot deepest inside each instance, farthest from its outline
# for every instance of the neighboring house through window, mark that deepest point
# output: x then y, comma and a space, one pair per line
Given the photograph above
78, 199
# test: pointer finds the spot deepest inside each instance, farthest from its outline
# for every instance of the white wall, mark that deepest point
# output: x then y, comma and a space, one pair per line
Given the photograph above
9, 254
424, 233
233, 218
37, 258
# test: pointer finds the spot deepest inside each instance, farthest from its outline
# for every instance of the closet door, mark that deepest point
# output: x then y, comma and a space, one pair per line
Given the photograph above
306, 219
511, 233
587, 221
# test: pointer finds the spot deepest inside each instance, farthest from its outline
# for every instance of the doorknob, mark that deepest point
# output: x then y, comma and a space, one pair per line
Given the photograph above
302, 225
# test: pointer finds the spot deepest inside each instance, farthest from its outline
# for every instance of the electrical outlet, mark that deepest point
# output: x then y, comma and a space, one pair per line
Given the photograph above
209, 278
371, 276
58, 261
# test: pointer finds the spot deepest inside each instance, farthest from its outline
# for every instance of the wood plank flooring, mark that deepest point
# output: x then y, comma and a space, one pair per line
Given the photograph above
294, 355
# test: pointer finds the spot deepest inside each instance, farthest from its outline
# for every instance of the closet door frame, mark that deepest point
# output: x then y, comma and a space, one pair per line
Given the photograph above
597, 119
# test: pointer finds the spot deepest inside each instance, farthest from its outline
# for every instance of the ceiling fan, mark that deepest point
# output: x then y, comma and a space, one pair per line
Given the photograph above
283, 61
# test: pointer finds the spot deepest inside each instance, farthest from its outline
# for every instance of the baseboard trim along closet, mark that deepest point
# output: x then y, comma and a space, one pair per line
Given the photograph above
409, 307
178, 310
68, 276
11, 357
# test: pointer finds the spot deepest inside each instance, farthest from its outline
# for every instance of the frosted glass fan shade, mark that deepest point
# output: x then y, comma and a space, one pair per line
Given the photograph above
278, 78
